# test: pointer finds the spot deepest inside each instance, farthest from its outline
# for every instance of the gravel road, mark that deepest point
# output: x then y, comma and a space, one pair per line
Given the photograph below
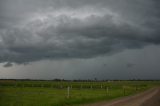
147, 98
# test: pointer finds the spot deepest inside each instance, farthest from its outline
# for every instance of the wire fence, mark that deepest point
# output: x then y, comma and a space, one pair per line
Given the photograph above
60, 92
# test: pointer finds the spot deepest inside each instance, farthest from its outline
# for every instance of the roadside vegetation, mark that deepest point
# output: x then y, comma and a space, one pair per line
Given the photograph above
66, 93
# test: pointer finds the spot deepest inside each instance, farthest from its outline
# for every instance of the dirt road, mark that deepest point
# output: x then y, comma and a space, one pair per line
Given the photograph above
148, 98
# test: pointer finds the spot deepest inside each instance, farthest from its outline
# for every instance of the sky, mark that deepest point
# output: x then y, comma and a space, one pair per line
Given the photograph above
80, 39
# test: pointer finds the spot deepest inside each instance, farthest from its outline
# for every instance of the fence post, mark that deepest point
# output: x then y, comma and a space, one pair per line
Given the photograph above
107, 91
136, 88
81, 86
61, 86
91, 86
124, 91
68, 92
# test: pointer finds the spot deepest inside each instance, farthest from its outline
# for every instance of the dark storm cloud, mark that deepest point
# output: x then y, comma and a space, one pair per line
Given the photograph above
130, 65
33, 30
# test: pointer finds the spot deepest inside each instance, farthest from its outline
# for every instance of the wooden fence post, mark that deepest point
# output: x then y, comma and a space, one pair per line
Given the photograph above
136, 88
68, 92
107, 91
81, 86
124, 91
91, 86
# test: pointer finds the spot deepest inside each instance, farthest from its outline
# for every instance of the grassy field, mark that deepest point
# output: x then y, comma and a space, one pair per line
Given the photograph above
52, 93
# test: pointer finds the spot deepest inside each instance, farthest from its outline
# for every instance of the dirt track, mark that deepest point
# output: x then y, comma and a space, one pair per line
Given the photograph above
148, 98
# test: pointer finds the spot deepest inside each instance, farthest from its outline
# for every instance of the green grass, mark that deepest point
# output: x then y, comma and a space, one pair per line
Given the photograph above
48, 93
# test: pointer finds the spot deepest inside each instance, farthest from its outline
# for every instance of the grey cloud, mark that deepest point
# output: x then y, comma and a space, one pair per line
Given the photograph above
130, 65
66, 29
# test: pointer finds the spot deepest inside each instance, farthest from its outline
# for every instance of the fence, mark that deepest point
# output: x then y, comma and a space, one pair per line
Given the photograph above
39, 92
